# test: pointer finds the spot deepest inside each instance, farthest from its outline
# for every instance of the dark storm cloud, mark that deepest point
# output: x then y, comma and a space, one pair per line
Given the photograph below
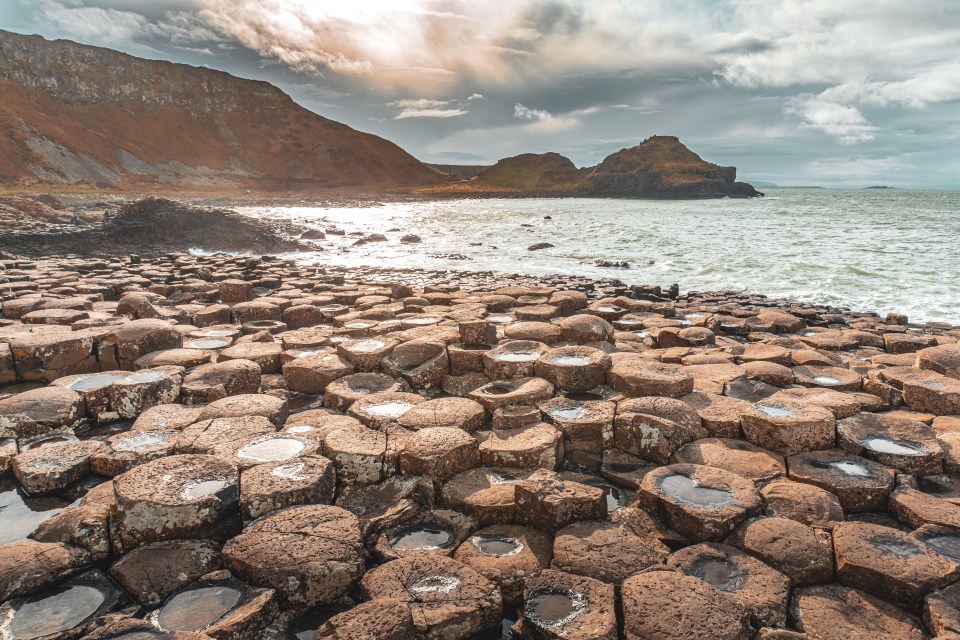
861, 91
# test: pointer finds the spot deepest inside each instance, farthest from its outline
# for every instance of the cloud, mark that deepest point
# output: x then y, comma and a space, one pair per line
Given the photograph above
844, 122
426, 108
882, 170
522, 112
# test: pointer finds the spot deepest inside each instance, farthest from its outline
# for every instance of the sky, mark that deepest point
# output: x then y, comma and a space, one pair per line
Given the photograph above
793, 92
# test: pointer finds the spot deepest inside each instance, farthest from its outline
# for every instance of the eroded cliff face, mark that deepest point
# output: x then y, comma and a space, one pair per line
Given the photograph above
75, 115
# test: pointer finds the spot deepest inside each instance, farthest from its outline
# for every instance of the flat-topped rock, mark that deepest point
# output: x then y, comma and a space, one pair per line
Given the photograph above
701, 503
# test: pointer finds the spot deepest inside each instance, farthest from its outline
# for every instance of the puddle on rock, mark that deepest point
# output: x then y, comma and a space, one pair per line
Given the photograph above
147, 376
719, 572
367, 346
899, 448
499, 477
517, 356
687, 491
55, 610
773, 410
208, 343
96, 381
420, 538
137, 440
290, 471
899, 548
574, 412
195, 609
21, 514
608, 309
205, 488
496, 390
435, 584
272, 449
826, 380
393, 409
571, 361
554, 607
947, 545
497, 546
499, 319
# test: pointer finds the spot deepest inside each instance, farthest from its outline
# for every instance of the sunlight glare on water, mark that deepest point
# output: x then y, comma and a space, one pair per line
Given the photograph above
870, 249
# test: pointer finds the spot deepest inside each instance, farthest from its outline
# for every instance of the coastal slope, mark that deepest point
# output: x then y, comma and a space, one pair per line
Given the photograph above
74, 115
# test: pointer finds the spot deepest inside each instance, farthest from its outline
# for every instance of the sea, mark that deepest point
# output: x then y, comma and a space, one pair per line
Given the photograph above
877, 250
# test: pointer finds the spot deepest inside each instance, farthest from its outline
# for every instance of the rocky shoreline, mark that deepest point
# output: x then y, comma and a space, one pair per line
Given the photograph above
236, 447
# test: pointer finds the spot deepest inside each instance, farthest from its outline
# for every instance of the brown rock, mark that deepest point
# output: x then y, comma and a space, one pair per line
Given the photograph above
802, 553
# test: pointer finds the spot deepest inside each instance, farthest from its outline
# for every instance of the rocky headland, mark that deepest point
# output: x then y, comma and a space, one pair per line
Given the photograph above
239, 447
660, 167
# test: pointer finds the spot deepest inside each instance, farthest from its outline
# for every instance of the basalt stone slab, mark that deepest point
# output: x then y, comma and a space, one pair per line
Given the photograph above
860, 484
343, 392
508, 393
890, 564
220, 606
436, 531
273, 408
635, 377
85, 526
916, 509
380, 619
841, 405
735, 456
507, 554
574, 369
211, 382
805, 503
153, 572
585, 329
272, 486
122, 452
439, 453
486, 494
48, 355
548, 503
273, 447
835, 612
213, 436
653, 428
538, 446
789, 429
447, 599
669, 604
701, 503
420, 363
364, 456
178, 497
54, 467
943, 359
39, 410
605, 551
720, 415
904, 444
932, 393
133, 629
66, 610
513, 359
759, 588
309, 555
385, 408
131, 395
941, 612
94, 389
28, 565
802, 553
386, 504
559, 605
460, 413
166, 417
136, 338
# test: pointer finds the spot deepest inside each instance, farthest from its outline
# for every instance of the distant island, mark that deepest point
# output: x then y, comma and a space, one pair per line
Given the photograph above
82, 118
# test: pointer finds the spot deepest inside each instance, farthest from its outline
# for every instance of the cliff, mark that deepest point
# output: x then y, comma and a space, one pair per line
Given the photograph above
77, 115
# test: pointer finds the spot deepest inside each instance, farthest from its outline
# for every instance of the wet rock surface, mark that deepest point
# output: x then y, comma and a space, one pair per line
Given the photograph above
238, 447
